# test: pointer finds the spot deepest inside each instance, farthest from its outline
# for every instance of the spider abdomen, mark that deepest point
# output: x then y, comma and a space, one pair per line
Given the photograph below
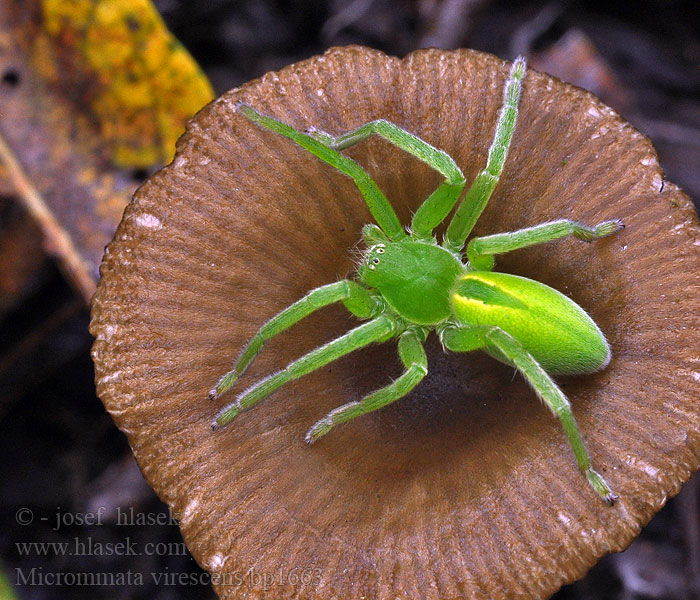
555, 330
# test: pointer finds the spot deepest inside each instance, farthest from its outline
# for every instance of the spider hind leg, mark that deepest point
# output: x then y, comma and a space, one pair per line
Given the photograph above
473, 338
412, 356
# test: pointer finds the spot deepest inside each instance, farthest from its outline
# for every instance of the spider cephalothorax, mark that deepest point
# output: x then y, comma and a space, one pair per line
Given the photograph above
413, 277
409, 285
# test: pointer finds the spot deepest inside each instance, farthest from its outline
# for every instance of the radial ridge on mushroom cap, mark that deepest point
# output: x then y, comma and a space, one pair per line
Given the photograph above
466, 488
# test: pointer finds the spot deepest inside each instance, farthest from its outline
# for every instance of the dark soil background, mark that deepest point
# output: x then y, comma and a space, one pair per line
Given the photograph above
60, 452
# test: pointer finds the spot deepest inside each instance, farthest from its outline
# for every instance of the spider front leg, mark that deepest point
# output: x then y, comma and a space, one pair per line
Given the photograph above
356, 299
481, 251
412, 356
378, 205
439, 204
377, 330
477, 197
464, 339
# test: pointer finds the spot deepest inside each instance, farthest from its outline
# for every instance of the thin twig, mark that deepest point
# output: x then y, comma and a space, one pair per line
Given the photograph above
58, 242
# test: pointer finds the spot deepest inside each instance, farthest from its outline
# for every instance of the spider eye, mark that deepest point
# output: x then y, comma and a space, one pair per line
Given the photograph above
380, 250
375, 261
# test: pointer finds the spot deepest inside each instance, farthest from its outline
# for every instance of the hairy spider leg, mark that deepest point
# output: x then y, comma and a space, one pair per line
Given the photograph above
481, 250
379, 329
378, 205
475, 200
355, 298
467, 338
412, 356
439, 204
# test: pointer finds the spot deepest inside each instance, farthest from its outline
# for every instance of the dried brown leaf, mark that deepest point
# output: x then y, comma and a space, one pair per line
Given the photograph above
71, 105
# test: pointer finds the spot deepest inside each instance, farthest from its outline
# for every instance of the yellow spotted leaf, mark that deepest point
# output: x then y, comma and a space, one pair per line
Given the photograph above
140, 82
93, 94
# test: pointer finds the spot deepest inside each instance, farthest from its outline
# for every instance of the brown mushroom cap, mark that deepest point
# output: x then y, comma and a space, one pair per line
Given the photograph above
467, 488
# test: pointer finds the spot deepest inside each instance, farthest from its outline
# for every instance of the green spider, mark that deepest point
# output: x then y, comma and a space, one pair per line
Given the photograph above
409, 285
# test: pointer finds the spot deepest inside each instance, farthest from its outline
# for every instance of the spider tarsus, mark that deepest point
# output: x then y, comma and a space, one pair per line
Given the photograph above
223, 385
604, 229
248, 111
611, 499
610, 227
601, 487
317, 431
215, 425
